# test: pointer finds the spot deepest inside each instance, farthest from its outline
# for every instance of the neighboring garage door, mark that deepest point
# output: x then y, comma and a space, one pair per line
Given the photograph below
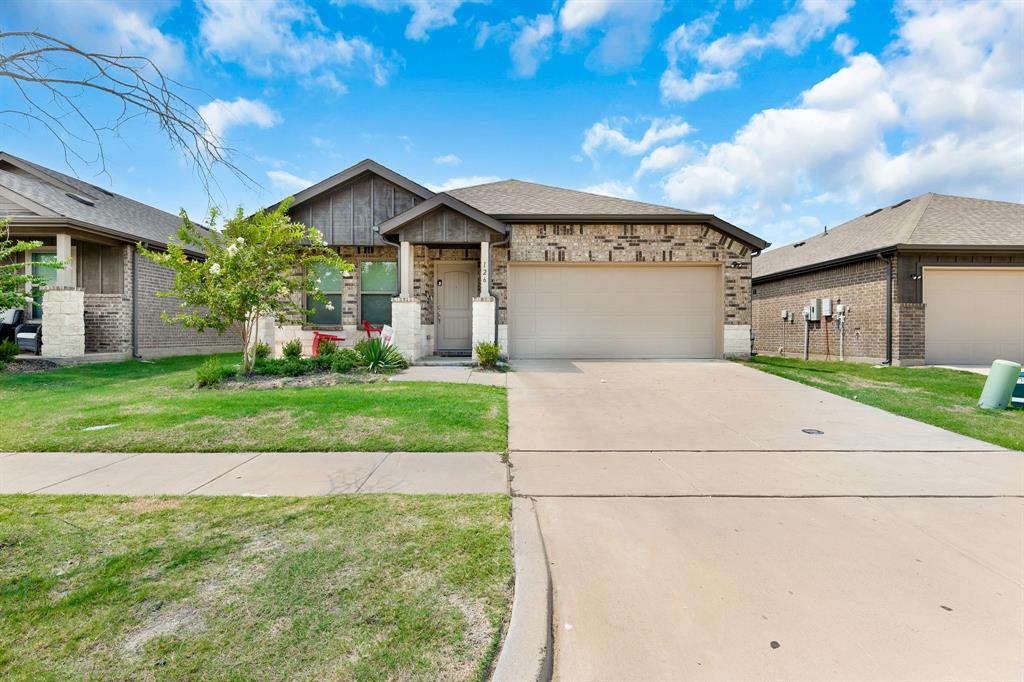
973, 315
614, 311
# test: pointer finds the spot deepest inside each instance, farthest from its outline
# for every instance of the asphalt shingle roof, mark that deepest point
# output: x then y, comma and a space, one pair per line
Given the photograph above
926, 220
113, 212
518, 197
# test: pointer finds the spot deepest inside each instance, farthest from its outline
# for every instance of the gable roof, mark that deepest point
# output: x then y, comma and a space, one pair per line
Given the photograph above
352, 172
926, 221
53, 195
521, 201
435, 202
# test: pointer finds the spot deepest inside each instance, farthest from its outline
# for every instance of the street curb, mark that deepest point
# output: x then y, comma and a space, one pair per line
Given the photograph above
527, 653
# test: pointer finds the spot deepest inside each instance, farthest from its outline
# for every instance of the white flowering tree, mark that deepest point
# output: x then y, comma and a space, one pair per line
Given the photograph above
255, 267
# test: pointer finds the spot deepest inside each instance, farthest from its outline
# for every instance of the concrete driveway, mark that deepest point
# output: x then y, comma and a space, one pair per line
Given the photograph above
694, 531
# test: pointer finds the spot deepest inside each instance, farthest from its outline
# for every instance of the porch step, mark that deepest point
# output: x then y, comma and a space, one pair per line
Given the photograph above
446, 361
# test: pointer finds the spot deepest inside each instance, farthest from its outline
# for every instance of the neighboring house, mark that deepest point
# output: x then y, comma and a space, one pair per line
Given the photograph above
103, 304
544, 271
935, 279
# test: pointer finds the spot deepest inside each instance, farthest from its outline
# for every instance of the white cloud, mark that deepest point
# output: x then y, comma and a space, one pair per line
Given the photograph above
612, 188
427, 15
447, 160
286, 37
603, 135
288, 181
941, 111
105, 25
626, 29
533, 44
717, 62
220, 115
844, 44
664, 158
455, 183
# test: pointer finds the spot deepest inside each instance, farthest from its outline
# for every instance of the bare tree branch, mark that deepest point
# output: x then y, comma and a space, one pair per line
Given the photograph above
53, 76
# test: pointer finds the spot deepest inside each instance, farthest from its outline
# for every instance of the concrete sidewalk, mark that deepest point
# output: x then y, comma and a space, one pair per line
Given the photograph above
251, 473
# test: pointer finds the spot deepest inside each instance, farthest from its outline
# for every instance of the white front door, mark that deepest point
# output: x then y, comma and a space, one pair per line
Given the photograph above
455, 287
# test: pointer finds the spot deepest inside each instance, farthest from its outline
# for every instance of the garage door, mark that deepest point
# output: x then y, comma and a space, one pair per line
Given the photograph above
614, 311
973, 316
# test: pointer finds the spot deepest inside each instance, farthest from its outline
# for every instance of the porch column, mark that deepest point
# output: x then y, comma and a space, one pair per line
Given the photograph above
405, 276
485, 269
66, 278
63, 323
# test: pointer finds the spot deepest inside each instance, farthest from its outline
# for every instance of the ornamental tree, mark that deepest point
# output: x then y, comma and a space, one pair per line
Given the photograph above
255, 267
15, 277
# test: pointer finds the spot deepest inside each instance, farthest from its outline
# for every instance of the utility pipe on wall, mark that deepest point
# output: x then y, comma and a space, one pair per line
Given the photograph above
807, 334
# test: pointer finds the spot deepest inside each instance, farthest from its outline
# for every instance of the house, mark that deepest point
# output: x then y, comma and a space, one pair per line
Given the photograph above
103, 305
545, 272
936, 279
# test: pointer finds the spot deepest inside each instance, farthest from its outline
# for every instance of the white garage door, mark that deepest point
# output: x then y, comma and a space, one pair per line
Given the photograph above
614, 311
973, 315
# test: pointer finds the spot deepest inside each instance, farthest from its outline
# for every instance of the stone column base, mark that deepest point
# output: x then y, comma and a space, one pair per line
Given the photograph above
484, 310
63, 323
737, 340
405, 318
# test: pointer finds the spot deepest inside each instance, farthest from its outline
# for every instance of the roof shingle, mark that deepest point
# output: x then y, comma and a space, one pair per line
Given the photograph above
926, 220
518, 197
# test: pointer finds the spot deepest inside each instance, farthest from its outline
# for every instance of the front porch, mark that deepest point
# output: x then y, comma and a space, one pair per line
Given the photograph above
83, 312
430, 279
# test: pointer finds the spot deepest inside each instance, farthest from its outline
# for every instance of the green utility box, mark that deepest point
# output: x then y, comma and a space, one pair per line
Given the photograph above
1002, 379
1017, 399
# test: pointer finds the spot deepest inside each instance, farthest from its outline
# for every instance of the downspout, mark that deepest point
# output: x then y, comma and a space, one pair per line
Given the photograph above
888, 308
135, 302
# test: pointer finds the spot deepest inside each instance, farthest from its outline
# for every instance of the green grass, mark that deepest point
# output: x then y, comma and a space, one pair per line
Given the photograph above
367, 587
941, 397
155, 409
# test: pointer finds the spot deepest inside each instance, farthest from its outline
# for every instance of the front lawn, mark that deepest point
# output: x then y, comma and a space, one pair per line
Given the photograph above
942, 397
153, 408
366, 587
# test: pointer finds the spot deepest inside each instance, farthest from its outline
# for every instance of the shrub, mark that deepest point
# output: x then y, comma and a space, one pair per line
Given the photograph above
321, 361
488, 353
379, 358
346, 360
261, 351
291, 367
8, 350
292, 350
327, 347
211, 373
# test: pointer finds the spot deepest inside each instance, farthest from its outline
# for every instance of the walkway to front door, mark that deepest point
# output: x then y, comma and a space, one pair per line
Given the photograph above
453, 296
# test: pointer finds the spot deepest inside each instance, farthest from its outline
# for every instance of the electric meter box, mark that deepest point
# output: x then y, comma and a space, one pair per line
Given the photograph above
814, 310
826, 307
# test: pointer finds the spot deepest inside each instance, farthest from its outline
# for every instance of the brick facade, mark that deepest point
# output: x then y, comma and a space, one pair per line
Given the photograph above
858, 286
108, 317
156, 337
630, 243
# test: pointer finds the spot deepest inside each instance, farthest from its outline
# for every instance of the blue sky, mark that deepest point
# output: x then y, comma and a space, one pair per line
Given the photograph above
780, 117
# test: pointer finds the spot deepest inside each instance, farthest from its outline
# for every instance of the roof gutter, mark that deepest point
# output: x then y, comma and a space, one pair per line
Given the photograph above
823, 265
59, 222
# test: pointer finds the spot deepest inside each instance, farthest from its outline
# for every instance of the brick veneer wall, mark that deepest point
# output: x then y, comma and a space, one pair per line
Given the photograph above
859, 286
629, 243
108, 317
908, 333
156, 337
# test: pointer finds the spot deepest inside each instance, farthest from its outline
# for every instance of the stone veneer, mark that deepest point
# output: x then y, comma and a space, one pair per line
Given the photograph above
64, 323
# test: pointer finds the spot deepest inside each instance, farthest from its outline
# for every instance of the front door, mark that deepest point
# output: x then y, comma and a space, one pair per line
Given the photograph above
455, 287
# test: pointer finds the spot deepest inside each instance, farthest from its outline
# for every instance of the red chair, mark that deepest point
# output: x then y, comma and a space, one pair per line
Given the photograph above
320, 336
370, 329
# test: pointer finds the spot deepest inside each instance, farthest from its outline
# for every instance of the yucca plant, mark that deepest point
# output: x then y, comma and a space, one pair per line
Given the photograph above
380, 358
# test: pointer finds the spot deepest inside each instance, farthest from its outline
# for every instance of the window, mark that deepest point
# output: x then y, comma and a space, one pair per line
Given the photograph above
48, 273
331, 284
378, 284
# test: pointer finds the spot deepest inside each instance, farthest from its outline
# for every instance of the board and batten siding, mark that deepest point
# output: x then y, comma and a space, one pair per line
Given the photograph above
346, 215
445, 226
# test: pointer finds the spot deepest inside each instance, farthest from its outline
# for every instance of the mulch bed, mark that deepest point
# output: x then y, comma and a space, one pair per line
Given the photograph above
28, 364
